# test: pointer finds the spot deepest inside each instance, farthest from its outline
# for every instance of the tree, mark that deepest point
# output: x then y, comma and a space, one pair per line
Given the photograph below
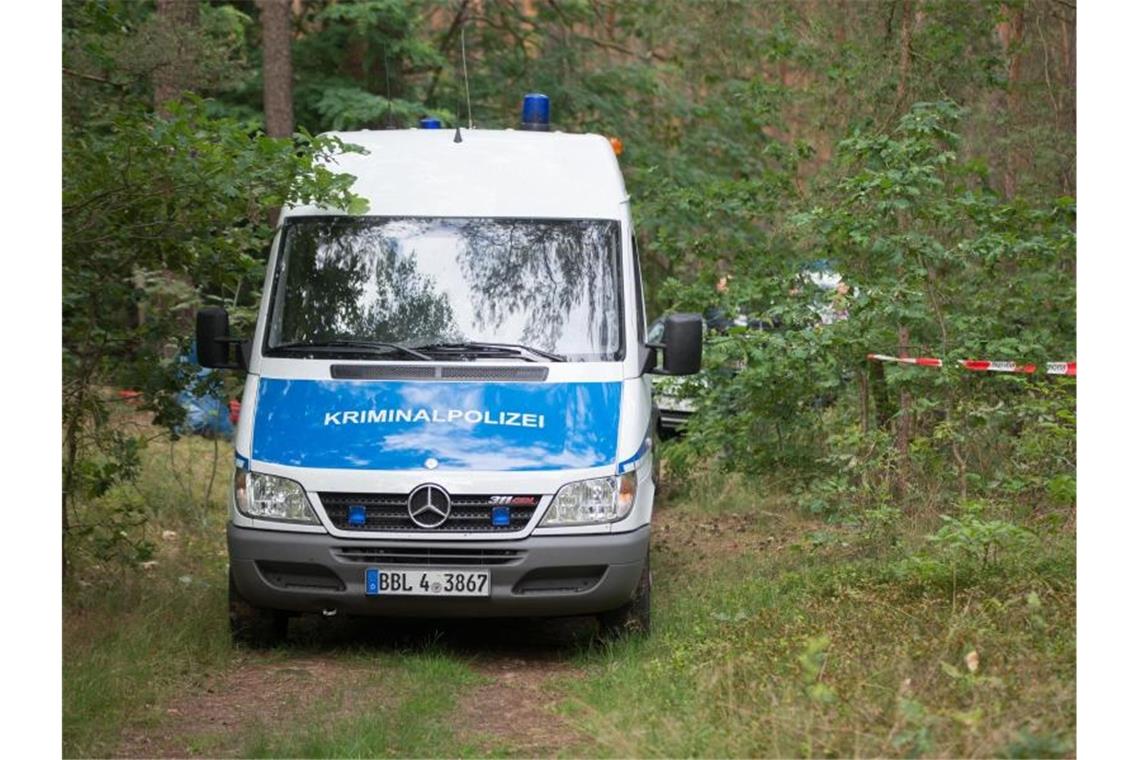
163, 210
736, 117
277, 66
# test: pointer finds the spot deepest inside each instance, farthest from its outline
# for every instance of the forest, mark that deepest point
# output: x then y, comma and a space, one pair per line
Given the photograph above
857, 556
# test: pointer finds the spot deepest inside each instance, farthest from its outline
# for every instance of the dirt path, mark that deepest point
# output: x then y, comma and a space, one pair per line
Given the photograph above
513, 711
516, 710
198, 723
523, 662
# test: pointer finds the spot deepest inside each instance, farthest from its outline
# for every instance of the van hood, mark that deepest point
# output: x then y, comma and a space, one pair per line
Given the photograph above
384, 425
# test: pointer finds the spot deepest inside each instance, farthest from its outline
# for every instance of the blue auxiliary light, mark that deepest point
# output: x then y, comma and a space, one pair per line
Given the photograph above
536, 112
430, 122
357, 515
500, 516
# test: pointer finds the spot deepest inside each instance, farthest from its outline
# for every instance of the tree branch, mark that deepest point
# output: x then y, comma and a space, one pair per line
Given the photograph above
445, 44
618, 48
569, 24
91, 77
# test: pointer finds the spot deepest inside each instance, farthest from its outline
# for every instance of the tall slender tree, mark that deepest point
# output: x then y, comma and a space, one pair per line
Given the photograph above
277, 66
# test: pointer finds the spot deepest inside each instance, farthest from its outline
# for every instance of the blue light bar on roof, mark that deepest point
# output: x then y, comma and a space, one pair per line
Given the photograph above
430, 122
536, 112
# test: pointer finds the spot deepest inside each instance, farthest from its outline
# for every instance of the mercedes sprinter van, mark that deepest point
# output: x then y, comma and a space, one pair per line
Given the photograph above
447, 410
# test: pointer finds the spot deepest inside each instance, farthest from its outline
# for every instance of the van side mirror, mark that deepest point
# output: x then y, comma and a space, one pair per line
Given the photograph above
214, 340
682, 344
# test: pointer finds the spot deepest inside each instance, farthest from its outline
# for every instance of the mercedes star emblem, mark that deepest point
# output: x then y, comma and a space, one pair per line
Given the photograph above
429, 506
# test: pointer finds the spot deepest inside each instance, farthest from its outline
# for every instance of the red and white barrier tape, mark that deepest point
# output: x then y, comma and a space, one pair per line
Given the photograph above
975, 365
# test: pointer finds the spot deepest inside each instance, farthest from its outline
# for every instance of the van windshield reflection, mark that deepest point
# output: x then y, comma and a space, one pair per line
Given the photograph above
452, 288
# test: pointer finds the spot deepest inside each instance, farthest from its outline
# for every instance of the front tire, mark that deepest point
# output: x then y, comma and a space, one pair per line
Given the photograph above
634, 618
254, 627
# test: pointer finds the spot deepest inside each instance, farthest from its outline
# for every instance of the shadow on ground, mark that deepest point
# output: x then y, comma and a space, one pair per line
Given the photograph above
490, 638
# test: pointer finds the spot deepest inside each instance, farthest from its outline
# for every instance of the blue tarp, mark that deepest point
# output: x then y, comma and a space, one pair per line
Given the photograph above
206, 415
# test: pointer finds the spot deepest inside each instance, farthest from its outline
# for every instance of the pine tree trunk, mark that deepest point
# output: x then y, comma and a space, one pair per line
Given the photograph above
277, 66
1010, 32
902, 427
905, 31
902, 422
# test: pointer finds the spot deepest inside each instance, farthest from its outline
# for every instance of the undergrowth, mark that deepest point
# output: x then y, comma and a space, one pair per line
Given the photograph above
139, 624
884, 635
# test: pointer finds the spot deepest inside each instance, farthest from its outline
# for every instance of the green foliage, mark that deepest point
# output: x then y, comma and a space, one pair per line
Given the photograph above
132, 637
115, 534
811, 661
1028, 744
160, 214
880, 526
762, 650
915, 735
967, 549
342, 107
974, 541
122, 44
761, 139
921, 246
362, 65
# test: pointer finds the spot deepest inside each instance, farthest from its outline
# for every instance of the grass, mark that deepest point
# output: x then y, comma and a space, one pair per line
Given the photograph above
137, 636
134, 636
776, 634
398, 709
123, 656
814, 645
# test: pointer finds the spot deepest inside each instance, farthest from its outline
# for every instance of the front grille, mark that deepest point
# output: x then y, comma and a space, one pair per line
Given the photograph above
410, 555
389, 512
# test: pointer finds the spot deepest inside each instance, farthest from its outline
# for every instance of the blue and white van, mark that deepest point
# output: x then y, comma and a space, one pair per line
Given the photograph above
447, 410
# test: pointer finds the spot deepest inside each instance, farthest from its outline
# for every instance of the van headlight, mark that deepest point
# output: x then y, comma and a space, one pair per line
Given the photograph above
269, 497
600, 500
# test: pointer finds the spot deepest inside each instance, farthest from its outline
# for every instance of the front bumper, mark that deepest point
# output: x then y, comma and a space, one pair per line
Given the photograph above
548, 576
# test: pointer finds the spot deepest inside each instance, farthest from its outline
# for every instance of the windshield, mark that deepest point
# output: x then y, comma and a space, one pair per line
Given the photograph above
550, 285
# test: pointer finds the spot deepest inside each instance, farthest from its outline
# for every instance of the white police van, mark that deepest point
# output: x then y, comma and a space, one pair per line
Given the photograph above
447, 410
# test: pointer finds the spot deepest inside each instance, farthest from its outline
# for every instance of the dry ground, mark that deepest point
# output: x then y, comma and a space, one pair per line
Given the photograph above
511, 710
521, 664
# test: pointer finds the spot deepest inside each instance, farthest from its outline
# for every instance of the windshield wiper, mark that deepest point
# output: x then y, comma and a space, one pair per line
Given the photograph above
372, 346
493, 349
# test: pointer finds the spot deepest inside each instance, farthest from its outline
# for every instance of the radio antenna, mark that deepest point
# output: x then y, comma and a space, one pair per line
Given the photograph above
466, 84
388, 90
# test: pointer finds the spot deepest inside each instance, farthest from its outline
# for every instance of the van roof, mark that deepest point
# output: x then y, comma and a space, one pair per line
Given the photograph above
491, 173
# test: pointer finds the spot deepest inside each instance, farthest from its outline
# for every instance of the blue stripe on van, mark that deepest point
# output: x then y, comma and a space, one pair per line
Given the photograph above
378, 425
629, 464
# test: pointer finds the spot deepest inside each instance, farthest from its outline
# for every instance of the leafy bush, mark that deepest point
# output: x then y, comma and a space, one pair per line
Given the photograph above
977, 542
967, 548
934, 258
160, 214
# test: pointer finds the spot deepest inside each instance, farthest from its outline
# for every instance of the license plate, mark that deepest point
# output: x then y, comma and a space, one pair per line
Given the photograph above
387, 581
